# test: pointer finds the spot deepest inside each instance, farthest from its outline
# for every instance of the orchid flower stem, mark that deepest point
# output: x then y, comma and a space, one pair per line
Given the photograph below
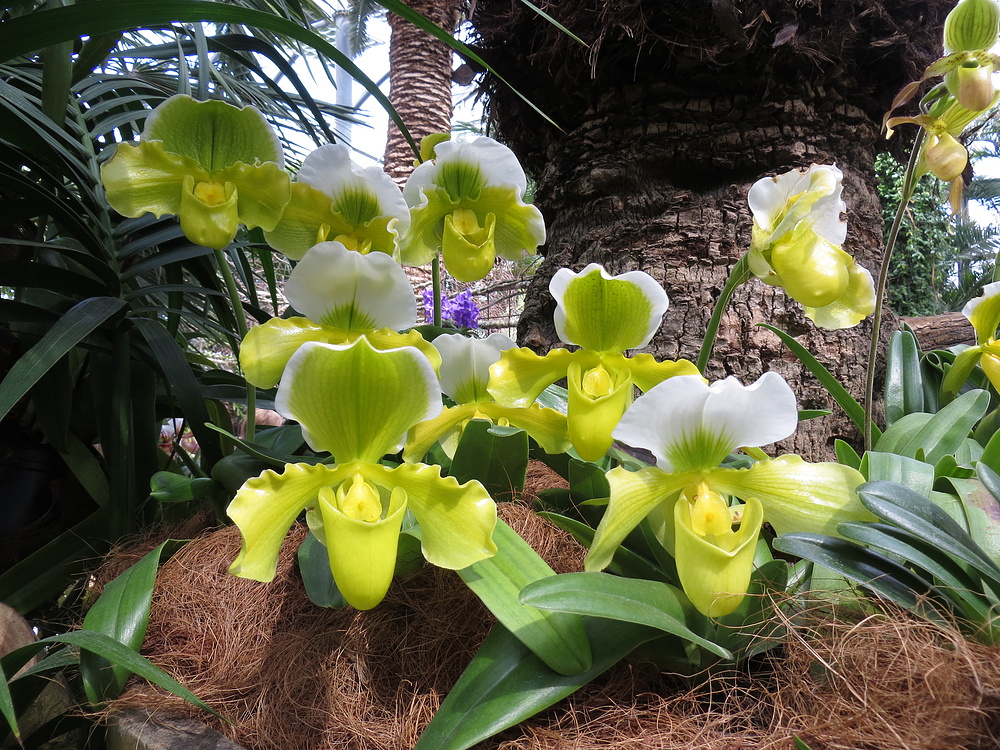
436, 287
241, 330
909, 182
755, 453
738, 275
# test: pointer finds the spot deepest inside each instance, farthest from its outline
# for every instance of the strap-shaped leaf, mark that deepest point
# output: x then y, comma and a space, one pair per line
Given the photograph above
904, 387
499, 462
557, 638
78, 323
929, 439
506, 683
122, 613
892, 467
905, 508
650, 603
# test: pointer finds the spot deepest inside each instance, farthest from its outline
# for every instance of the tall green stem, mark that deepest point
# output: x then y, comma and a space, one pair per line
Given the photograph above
739, 274
909, 182
241, 330
436, 288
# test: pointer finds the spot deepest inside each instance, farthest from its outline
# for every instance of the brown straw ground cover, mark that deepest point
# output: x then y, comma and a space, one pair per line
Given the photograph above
292, 676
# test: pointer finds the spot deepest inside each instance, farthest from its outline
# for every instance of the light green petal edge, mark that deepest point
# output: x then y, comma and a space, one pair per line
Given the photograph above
420, 245
606, 314
143, 177
965, 362
633, 496
797, 495
984, 312
456, 521
715, 580
213, 133
267, 347
468, 257
520, 227
520, 375
266, 507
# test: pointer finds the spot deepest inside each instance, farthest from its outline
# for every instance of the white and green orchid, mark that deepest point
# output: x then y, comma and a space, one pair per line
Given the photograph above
214, 165
334, 199
343, 295
798, 231
984, 314
357, 402
605, 315
468, 203
690, 427
465, 372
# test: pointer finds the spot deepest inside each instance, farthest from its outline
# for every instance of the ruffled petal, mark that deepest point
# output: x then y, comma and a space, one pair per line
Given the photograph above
456, 520
984, 312
633, 496
647, 372
142, 177
854, 305
267, 347
687, 424
262, 192
520, 375
266, 507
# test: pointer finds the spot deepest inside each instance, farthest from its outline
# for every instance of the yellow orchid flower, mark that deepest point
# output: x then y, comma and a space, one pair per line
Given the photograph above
605, 315
984, 314
214, 165
468, 202
357, 402
690, 427
798, 231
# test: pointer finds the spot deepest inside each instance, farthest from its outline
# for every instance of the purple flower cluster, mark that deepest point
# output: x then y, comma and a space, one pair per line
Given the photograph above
461, 309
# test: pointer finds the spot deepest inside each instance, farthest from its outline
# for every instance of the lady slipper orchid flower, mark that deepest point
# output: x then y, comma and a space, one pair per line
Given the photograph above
798, 231
342, 295
469, 203
214, 165
984, 314
465, 371
334, 199
605, 315
357, 402
690, 427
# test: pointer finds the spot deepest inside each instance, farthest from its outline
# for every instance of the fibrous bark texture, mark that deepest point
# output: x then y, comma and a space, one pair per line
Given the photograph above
666, 125
419, 82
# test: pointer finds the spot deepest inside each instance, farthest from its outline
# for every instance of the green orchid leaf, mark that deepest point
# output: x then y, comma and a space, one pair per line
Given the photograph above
892, 467
499, 463
650, 603
938, 435
122, 613
903, 507
846, 454
863, 566
844, 399
626, 563
73, 327
168, 487
506, 683
314, 565
557, 638
949, 576
904, 387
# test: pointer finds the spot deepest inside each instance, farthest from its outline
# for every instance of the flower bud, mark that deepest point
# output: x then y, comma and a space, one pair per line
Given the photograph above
972, 25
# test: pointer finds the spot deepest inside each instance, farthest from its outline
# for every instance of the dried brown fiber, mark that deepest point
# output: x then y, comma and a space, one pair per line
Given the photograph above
292, 676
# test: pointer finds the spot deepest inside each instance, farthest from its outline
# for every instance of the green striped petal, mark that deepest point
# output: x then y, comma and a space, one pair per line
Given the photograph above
355, 401
605, 313
984, 312
520, 375
142, 177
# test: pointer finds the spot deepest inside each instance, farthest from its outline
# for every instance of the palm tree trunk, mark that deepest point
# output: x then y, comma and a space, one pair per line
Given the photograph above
419, 82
